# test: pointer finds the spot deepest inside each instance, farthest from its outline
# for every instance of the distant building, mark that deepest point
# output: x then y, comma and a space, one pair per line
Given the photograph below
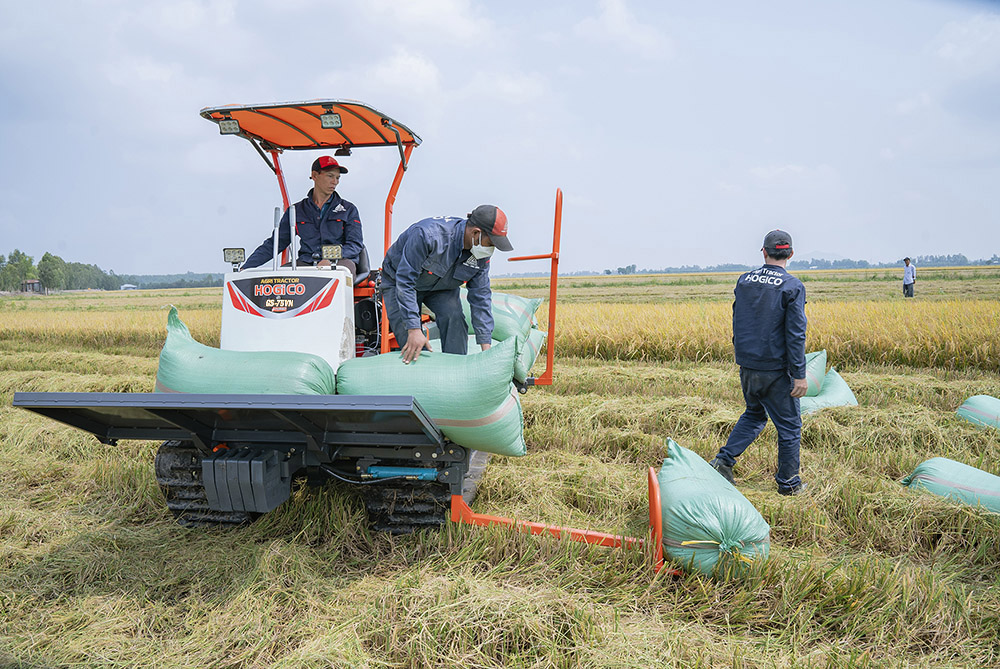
129, 286
32, 286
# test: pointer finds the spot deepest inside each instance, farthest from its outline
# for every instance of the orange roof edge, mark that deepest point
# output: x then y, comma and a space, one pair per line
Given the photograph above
297, 126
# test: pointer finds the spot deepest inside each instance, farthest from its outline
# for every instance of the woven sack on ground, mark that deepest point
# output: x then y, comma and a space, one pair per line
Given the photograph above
707, 522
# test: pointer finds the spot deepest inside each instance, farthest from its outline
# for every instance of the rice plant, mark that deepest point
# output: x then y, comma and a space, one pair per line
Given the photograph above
863, 572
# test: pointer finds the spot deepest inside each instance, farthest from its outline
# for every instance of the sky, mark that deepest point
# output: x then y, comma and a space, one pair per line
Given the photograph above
679, 132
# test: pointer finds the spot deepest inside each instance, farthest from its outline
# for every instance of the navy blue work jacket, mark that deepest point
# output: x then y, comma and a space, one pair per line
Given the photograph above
337, 222
430, 255
769, 321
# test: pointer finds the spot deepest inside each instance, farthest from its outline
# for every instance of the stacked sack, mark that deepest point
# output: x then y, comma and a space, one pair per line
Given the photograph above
513, 318
471, 398
707, 522
187, 366
826, 389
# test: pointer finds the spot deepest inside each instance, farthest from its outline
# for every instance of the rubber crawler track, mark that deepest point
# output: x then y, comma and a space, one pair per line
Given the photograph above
178, 471
397, 507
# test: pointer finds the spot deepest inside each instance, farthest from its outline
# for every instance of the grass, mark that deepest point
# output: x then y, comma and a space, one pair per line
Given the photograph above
862, 573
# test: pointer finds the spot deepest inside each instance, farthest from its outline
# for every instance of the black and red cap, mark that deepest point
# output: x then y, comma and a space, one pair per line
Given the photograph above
493, 222
777, 240
324, 163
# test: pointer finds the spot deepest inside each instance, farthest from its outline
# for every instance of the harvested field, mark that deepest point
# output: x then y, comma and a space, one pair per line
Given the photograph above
863, 572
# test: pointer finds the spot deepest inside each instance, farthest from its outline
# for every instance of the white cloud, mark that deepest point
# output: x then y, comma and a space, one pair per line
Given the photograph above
453, 20
130, 71
973, 45
910, 105
189, 15
773, 172
618, 26
409, 71
887, 154
509, 88
403, 74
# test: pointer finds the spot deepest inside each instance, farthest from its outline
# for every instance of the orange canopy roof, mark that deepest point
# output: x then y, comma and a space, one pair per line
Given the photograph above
296, 125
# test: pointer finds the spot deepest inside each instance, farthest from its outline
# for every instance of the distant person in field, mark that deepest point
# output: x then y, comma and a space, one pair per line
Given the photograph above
427, 264
909, 277
323, 217
769, 337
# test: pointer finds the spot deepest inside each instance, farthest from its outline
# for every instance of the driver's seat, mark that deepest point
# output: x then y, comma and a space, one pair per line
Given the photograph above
364, 266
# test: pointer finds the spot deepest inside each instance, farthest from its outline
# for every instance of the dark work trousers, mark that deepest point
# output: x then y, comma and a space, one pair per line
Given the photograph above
447, 308
907, 290
768, 394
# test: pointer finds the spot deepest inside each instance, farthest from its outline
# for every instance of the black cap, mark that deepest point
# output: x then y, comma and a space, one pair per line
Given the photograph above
493, 222
777, 240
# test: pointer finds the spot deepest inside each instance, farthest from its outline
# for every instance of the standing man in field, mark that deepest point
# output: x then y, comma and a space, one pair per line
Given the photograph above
428, 263
769, 337
909, 277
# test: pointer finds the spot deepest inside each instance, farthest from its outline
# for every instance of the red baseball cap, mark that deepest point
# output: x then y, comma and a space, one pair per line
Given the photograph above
327, 163
493, 222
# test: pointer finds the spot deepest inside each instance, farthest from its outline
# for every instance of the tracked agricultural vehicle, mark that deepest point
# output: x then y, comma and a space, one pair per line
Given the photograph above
227, 458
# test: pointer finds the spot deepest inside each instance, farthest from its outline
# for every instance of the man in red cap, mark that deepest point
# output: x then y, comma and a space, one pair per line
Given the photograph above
426, 266
323, 217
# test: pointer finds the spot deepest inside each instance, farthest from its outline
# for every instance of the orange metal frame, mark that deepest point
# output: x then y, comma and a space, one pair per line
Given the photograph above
389, 202
365, 291
653, 544
460, 511
550, 347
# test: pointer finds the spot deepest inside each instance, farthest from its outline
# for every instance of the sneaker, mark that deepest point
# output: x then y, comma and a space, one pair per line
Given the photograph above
794, 490
725, 470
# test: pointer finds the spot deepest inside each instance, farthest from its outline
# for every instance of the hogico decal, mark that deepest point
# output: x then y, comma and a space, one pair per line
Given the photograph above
282, 296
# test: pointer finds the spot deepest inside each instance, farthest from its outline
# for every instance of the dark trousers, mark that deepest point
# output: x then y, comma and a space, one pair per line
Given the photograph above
448, 316
907, 290
768, 394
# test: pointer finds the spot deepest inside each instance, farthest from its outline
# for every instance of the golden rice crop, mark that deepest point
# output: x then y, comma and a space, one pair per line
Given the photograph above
949, 334
132, 330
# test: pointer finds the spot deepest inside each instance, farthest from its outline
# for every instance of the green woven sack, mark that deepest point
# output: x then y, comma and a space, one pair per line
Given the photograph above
957, 481
512, 315
835, 393
189, 367
815, 371
981, 410
470, 397
707, 522
528, 349
517, 306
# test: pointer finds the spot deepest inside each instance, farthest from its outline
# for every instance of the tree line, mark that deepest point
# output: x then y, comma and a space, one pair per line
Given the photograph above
57, 274
956, 260
53, 272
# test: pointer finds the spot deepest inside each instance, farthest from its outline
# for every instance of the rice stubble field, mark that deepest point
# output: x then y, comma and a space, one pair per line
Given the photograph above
863, 572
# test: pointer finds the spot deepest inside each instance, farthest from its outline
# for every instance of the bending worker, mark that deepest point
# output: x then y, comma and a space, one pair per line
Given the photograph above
769, 336
426, 266
323, 217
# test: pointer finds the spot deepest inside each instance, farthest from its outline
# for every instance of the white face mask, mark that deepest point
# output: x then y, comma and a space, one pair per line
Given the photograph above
479, 251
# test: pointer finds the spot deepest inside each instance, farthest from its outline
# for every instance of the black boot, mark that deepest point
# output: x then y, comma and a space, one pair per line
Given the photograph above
725, 470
